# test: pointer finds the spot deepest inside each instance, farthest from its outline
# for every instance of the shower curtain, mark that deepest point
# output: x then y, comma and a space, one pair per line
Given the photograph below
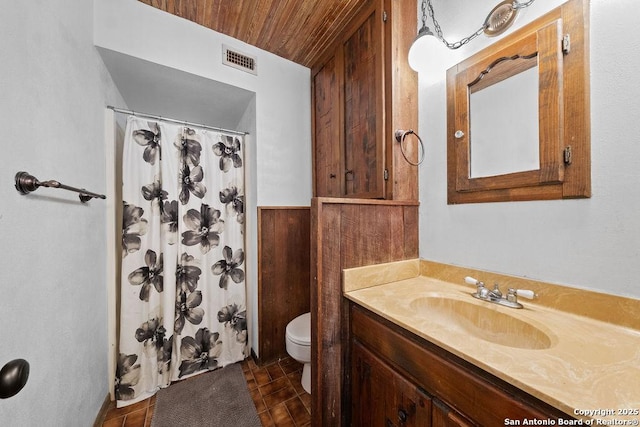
183, 299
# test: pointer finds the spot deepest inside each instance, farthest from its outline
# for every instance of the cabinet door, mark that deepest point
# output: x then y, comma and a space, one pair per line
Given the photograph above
382, 397
410, 407
372, 386
328, 145
363, 109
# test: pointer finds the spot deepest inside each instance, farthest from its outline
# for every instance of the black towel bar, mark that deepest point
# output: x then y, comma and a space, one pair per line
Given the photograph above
26, 183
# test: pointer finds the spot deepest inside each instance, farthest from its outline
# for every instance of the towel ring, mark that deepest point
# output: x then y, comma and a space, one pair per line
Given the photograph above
401, 135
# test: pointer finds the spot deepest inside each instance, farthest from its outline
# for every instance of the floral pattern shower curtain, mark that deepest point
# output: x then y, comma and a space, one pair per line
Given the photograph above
183, 299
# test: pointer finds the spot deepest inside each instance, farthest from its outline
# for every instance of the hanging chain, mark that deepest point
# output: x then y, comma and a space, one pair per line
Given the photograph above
427, 4
518, 5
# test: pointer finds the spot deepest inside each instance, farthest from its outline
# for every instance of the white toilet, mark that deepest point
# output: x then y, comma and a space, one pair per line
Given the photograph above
298, 340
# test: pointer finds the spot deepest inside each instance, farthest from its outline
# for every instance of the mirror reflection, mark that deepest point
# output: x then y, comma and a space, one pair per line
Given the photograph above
504, 130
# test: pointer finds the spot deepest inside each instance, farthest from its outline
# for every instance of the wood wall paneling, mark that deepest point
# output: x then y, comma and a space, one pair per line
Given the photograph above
347, 233
283, 275
401, 106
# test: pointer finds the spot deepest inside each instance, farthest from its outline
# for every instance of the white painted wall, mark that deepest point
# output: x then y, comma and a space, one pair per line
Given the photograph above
248, 123
283, 97
591, 243
52, 274
279, 148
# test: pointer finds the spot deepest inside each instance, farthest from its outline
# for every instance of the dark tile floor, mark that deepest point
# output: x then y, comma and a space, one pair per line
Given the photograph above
275, 388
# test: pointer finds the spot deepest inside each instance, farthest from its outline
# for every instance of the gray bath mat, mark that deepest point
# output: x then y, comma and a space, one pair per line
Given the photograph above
217, 398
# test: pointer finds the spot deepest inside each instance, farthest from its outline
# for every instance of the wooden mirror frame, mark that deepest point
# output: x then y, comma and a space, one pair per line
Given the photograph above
559, 43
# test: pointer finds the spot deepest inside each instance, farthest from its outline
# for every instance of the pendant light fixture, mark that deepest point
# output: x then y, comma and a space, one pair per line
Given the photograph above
497, 22
424, 42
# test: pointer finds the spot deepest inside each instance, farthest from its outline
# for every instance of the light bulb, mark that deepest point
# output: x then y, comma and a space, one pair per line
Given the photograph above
422, 48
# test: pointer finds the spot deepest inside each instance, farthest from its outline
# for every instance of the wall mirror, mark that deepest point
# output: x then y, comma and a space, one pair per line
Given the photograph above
518, 124
506, 135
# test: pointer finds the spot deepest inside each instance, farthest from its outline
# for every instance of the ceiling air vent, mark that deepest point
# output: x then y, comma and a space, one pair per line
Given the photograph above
238, 60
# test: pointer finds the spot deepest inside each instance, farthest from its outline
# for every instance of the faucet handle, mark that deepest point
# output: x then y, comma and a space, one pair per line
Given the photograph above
511, 296
471, 281
481, 291
525, 293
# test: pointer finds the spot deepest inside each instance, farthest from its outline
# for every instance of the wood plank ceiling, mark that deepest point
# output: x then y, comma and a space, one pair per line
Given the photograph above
298, 30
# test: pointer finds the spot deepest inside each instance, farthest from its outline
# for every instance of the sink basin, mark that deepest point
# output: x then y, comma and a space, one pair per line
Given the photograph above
484, 322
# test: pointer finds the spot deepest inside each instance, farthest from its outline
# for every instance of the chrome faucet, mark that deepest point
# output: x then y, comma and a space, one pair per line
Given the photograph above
495, 296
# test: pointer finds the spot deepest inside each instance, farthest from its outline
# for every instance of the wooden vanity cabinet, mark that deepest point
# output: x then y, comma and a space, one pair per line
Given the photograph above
397, 375
361, 88
382, 397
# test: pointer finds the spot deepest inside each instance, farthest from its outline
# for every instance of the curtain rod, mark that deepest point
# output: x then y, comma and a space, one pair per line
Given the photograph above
182, 122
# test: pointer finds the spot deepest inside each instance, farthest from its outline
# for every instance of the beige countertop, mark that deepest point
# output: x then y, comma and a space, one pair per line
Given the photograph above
586, 367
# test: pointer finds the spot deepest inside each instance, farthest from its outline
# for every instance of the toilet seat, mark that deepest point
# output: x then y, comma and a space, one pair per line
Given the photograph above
299, 330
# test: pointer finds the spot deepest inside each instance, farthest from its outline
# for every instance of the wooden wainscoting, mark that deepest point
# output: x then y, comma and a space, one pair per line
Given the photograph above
347, 233
283, 275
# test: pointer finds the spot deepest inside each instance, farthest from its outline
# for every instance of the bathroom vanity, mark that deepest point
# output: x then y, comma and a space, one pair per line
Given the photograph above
425, 352
400, 379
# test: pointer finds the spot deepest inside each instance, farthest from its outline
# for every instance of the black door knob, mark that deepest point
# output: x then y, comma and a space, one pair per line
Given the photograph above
13, 377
